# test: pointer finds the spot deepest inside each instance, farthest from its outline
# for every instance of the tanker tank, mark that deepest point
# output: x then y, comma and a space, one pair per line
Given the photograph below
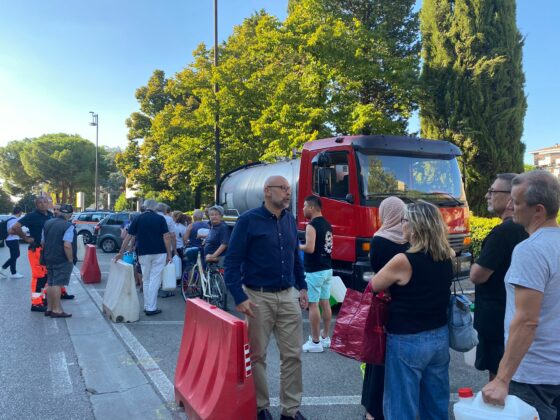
242, 189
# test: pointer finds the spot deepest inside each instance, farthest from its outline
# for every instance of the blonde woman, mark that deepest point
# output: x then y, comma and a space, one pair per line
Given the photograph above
417, 360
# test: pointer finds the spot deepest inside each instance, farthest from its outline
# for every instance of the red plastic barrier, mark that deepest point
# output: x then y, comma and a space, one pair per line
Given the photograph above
213, 376
90, 268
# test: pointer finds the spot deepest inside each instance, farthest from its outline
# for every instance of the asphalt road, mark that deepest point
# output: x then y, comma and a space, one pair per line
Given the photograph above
332, 383
86, 367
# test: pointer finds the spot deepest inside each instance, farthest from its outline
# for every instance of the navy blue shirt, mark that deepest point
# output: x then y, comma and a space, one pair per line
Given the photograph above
219, 234
149, 229
263, 252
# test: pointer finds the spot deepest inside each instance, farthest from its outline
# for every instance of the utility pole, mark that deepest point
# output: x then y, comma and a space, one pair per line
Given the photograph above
95, 122
217, 113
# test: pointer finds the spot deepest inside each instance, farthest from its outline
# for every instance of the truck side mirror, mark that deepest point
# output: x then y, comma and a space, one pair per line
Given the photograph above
349, 198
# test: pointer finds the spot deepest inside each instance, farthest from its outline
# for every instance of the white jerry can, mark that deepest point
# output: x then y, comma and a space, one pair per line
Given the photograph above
473, 407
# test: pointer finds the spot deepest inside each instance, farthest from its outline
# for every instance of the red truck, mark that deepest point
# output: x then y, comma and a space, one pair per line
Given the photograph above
352, 175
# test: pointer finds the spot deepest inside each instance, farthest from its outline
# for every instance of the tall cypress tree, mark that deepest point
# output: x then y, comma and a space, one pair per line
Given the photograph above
472, 86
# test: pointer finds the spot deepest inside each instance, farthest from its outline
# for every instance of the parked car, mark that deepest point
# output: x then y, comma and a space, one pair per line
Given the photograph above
85, 223
107, 233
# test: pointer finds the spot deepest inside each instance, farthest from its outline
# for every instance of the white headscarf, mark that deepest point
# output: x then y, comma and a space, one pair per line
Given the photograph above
391, 212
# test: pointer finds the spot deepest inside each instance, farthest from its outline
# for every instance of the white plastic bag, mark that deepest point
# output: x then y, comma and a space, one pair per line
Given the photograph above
338, 289
178, 267
168, 280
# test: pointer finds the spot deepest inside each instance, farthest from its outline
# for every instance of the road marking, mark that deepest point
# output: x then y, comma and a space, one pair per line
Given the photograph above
60, 378
161, 382
51, 326
339, 400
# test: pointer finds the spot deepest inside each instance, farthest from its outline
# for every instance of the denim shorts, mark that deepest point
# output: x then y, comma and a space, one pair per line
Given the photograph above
319, 285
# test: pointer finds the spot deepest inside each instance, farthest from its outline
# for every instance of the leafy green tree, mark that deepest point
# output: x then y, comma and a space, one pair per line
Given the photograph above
326, 70
122, 203
111, 180
472, 80
527, 167
65, 163
16, 181
27, 202
6, 204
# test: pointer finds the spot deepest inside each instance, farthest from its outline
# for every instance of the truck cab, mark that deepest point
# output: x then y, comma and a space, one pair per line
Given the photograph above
353, 174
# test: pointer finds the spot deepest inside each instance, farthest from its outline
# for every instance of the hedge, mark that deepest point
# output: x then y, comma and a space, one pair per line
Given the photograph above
480, 228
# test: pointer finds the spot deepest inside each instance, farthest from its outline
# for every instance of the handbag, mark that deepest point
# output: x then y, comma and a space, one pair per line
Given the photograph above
359, 332
462, 335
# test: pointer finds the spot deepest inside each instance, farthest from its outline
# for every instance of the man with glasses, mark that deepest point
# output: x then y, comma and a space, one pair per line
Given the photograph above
530, 368
488, 273
262, 267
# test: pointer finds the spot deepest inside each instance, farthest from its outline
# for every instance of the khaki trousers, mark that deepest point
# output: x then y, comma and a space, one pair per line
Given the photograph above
277, 313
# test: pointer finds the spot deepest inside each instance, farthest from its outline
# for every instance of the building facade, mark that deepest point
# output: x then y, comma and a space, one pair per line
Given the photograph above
548, 159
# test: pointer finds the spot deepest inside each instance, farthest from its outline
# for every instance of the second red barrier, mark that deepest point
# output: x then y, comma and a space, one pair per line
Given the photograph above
90, 268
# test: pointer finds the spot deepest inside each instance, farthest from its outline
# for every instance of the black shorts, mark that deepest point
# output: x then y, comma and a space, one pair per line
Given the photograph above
59, 274
489, 352
545, 398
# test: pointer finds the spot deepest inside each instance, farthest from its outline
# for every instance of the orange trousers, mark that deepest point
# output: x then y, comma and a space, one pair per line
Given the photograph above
38, 277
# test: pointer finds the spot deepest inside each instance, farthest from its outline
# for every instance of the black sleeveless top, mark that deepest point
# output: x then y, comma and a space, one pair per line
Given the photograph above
321, 258
421, 304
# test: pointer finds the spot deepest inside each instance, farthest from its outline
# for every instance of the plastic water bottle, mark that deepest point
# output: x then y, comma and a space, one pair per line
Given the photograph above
471, 407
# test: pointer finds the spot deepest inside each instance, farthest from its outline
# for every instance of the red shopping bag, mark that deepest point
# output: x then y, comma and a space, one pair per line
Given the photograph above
359, 332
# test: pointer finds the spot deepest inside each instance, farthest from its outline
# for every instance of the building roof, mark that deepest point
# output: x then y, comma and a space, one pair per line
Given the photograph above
546, 150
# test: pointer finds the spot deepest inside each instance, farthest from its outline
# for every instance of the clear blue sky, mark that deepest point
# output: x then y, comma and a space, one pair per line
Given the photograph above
61, 59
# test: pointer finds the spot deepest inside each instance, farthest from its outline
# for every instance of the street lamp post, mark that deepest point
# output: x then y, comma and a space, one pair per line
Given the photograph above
95, 122
217, 114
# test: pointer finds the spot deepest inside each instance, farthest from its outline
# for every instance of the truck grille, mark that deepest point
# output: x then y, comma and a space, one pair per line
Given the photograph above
456, 241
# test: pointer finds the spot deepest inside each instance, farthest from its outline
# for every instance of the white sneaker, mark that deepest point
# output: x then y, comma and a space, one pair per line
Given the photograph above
311, 347
4, 272
325, 341
17, 276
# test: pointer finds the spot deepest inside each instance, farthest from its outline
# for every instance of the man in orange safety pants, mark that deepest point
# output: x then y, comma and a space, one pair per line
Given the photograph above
35, 222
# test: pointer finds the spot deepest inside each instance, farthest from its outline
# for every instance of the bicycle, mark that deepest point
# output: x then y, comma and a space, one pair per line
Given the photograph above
207, 284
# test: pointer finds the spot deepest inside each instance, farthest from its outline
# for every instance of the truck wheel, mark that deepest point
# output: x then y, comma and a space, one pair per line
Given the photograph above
108, 245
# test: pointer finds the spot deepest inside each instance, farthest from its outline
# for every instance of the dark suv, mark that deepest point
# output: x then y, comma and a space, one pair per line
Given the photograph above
107, 233
85, 223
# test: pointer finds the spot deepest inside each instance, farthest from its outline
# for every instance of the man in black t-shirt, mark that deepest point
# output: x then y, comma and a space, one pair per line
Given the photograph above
488, 273
35, 221
318, 273
153, 247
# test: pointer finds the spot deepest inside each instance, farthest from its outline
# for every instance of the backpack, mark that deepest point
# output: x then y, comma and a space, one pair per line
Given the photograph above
4, 228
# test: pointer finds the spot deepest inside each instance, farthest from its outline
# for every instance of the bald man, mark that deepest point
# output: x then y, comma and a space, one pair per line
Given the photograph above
262, 271
35, 221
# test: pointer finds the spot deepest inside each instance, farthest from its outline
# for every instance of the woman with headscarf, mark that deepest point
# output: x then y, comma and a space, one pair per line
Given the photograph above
419, 280
387, 242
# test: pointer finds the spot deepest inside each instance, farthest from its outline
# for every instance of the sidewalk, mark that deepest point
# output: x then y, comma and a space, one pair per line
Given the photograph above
74, 368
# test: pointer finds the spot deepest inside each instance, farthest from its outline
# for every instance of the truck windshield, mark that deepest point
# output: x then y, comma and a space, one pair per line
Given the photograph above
434, 179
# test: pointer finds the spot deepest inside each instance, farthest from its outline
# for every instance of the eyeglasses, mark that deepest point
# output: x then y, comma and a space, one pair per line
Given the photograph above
491, 191
282, 187
403, 220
